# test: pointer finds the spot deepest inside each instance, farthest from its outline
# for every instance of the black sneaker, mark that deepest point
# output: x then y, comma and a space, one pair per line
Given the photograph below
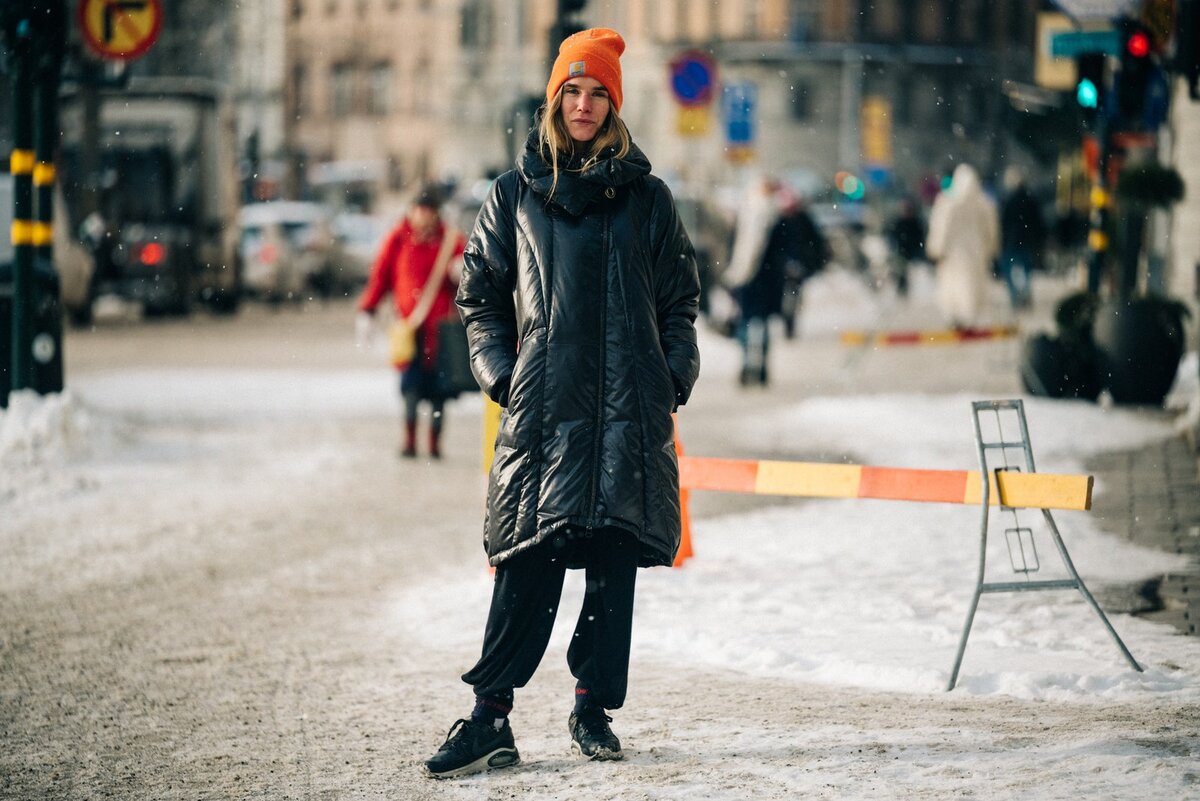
472, 746
591, 736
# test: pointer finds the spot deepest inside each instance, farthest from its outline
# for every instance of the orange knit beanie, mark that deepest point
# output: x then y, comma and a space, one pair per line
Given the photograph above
595, 53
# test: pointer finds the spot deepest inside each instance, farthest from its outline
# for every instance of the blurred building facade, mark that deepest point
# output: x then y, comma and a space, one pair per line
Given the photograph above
258, 97
381, 94
1183, 234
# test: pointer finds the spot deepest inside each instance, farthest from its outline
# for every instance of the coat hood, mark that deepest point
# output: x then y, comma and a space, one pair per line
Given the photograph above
576, 191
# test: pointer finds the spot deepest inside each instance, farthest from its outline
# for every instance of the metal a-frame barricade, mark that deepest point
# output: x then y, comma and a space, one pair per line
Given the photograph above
1021, 545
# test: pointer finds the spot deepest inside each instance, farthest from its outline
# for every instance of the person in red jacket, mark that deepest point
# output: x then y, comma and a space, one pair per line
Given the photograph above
422, 248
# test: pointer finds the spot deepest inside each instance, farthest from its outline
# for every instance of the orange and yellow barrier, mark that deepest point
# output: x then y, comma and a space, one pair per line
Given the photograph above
948, 336
818, 480
825, 480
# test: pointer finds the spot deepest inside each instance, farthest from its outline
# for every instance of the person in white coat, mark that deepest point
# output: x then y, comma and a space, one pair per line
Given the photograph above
963, 241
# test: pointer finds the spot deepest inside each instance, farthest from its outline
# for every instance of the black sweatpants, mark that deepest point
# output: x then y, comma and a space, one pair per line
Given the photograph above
525, 601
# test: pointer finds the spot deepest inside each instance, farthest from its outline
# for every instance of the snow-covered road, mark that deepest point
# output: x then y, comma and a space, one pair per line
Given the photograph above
220, 582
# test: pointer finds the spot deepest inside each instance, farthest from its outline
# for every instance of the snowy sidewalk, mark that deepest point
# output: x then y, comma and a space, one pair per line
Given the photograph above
1152, 497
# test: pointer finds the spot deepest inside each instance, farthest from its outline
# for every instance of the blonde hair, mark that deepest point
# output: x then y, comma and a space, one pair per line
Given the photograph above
554, 141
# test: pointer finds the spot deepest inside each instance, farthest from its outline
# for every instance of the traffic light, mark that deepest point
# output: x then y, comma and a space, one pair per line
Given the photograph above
1089, 83
1136, 68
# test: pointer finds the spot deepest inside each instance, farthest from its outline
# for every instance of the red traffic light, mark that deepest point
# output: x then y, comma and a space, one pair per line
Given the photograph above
152, 254
1138, 44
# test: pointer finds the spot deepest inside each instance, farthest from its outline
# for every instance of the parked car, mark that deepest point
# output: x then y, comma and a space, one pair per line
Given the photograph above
357, 240
287, 249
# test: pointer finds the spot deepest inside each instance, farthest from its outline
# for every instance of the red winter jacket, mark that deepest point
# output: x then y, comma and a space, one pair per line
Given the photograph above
402, 267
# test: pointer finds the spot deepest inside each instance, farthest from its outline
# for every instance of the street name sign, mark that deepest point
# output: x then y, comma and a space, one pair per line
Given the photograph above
1073, 43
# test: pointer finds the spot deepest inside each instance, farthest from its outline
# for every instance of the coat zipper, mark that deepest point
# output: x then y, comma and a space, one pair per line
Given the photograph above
598, 434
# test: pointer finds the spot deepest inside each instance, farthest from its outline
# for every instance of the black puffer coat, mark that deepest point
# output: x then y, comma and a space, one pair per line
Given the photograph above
580, 310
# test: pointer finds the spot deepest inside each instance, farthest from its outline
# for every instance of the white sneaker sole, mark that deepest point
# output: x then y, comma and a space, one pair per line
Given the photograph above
601, 755
500, 758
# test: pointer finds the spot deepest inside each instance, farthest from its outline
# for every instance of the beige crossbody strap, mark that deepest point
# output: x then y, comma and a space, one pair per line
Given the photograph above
429, 291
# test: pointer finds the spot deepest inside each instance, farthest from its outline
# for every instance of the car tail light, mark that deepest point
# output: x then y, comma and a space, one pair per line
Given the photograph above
152, 254
267, 253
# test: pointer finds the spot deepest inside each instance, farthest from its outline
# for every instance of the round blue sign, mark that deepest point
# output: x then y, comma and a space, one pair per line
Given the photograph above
693, 75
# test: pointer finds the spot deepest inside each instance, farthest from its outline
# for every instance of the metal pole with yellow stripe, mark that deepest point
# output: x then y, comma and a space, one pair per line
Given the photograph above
35, 35
19, 31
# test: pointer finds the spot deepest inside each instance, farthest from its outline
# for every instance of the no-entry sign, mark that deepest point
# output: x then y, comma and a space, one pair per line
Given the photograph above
120, 30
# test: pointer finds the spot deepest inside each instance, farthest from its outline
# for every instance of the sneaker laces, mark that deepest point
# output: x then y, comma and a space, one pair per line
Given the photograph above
595, 721
455, 730
594, 713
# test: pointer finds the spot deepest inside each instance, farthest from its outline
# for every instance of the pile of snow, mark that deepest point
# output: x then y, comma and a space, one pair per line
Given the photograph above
36, 429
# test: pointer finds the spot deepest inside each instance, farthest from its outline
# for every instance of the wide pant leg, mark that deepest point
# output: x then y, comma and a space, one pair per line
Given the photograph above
525, 599
599, 652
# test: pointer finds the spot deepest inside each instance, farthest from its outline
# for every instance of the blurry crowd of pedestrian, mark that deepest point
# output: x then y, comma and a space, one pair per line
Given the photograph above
969, 236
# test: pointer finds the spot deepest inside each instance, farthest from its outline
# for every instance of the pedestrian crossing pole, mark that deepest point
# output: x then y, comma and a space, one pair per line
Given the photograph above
35, 34
1099, 203
19, 34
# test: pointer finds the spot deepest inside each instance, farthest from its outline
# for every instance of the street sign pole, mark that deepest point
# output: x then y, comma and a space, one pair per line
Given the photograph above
48, 70
45, 346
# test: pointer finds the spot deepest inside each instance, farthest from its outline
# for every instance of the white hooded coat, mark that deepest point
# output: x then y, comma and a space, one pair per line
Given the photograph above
964, 239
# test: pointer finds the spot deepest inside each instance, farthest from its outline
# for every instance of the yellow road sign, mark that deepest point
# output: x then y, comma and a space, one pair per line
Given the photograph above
120, 30
875, 127
692, 120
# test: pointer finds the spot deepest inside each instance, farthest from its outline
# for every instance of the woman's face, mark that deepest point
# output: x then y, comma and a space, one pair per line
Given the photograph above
584, 107
422, 217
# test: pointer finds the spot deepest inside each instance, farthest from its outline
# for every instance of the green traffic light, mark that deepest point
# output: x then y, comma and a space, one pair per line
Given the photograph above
1086, 93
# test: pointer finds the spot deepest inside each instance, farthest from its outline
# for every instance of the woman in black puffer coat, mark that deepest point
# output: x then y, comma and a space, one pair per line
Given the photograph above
579, 293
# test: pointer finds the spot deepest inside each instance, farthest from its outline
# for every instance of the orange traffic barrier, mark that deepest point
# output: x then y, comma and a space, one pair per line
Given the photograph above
685, 535
814, 479
949, 336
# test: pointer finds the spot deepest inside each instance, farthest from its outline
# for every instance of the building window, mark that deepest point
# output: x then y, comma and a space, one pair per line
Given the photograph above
950, 33
750, 19
395, 175
682, 20
1018, 28
476, 25
902, 107
341, 93
420, 88
297, 9
971, 21
802, 99
805, 24
299, 90
379, 89
330, 7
